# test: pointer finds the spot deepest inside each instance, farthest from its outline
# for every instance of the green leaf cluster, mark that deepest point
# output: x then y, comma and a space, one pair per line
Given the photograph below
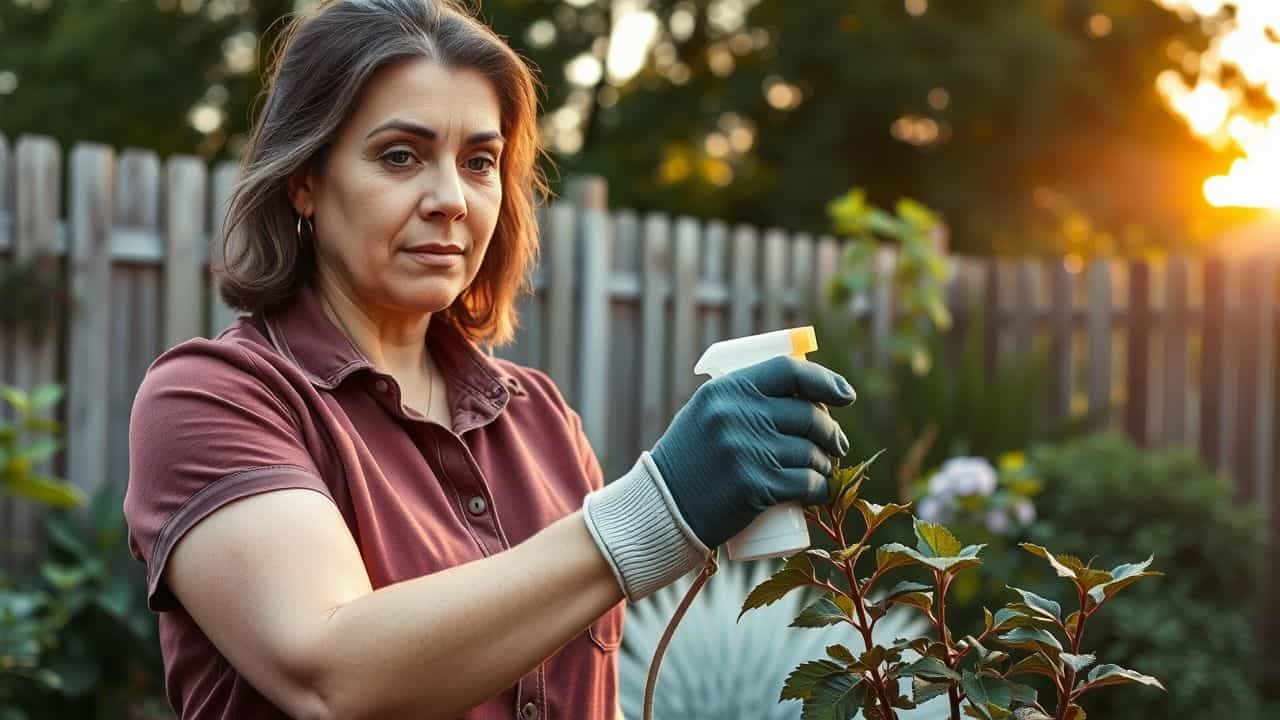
978, 680
29, 440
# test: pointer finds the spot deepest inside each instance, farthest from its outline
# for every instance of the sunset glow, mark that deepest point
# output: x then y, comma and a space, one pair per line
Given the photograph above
1244, 42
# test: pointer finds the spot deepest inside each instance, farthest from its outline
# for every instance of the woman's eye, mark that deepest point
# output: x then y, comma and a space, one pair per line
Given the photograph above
405, 154
480, 163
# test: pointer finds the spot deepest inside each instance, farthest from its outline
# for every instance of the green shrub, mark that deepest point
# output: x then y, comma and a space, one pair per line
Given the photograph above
1195, 628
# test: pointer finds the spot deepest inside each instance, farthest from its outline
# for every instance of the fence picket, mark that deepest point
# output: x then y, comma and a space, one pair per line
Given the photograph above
593, 339
224, 177
561, 279
684, 312
656, 281
800, 286
1099, 324
89, 282
1176, 380
775, 279
1137, 375
742, 300
37, 197
184, 237
1061, 312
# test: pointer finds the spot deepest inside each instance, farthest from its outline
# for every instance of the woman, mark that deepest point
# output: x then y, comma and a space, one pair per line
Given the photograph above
346, 510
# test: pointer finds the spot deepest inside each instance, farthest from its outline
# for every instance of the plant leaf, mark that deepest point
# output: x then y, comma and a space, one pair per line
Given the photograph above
922, 691
935, 541
1077, 662
1122, 577
1048, 608
774, 589
1028, 713
834, 697
49, 491
892, 556
840, 653
920, 600
1036, 663
801, 680
1028, 638
1104, 675
875, 514
1058, 566
929, 668
828, 610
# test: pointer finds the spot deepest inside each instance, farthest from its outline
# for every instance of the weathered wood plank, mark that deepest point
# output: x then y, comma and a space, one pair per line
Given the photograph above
135, 335
775, 278
715, 255
89, 282
624, 348
37, 198
744, 292
1099, 329
561, 279
1061, 307
656, 279
220, 314
684, 311
185, 212
1177, 381
593, 338
828, 264
1213, 333
800, 286
1137, 351
882, 307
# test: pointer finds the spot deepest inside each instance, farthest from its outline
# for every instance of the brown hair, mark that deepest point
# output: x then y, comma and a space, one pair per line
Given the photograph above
320, 63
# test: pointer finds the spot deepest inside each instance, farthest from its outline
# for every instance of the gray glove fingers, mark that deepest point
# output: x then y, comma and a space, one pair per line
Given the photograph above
787, 377
794, 452
801, 418
805, 485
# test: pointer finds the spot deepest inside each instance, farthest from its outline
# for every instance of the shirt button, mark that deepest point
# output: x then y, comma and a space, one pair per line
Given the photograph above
477, 506
529, 711
381, 385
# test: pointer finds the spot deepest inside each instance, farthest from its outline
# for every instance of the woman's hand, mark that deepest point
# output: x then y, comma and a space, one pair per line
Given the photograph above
744, 442
750, 440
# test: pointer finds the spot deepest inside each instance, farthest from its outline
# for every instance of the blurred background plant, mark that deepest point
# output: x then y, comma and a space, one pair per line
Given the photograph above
76, 638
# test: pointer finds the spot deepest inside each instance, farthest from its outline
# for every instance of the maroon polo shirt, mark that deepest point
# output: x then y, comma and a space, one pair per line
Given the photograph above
284, 400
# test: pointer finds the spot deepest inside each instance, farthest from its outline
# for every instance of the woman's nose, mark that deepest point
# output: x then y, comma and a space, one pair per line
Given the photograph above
442, 198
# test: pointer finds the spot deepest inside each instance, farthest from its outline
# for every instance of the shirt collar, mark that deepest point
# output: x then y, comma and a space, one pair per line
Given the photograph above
304, 334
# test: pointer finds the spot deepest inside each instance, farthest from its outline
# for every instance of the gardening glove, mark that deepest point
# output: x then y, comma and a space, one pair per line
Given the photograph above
744, 442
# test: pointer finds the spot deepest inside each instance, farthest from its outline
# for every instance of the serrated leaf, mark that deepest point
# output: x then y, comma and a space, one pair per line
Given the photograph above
1002, 617
922, 691
888, 558
1054, 561
1028, 638
929, 668
801, 680
1077, 662
773, 589
828, 610
935, 541
984, 690
1048, 608
1122, 577
852, 552
1028, 713
873, 657
875, 514
840, 653
941, 564
906, 586
1108, 674
920, 600
1075, 712
1070, 623
1035, 664
834, 697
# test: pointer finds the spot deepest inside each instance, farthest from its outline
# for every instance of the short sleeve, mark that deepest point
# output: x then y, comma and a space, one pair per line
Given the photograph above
208, 427
582, 444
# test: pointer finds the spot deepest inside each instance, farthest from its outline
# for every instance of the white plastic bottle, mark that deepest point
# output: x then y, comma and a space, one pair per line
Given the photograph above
780, 530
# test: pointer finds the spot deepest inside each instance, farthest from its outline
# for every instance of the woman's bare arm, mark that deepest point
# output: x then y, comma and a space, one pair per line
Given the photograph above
276, 582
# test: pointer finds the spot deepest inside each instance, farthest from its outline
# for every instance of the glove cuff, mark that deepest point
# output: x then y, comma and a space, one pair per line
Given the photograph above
635, 522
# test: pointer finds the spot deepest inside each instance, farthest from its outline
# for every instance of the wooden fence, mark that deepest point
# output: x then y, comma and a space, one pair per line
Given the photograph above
1175, 352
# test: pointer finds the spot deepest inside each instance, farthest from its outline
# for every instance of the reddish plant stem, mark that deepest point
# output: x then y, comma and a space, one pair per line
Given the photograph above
878, 682
943, 583
1066, 692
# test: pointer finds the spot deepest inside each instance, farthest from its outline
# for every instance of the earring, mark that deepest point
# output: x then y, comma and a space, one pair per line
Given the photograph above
311, 228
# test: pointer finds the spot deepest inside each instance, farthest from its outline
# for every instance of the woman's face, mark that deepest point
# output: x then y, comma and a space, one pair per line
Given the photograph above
408, 197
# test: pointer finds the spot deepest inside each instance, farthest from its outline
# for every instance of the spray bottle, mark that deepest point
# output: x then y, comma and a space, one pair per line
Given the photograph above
780, 530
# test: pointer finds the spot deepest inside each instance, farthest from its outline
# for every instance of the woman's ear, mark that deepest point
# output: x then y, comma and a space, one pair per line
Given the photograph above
300, 188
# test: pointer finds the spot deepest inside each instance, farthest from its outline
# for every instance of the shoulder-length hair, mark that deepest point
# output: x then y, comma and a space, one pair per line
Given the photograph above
320, 63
